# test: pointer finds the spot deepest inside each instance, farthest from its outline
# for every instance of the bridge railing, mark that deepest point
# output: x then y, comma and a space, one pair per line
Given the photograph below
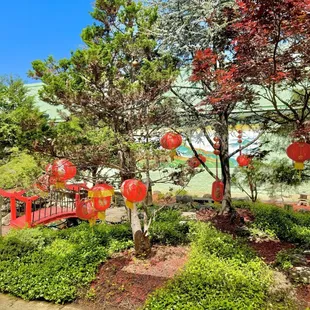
35, 209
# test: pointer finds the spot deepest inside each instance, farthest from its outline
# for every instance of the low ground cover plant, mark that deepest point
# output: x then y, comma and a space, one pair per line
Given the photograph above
41, 263
169, 228
221, 273
286, 224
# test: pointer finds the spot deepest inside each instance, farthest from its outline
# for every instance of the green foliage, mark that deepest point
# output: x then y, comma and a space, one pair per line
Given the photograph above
40, 263
20, 170
221, 274
287, 225
275, 175
286, 259
261, 234
169, 228
21, 122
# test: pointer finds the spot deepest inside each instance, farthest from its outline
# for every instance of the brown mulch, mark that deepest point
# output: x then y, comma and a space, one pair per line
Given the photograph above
268, 250
124, 282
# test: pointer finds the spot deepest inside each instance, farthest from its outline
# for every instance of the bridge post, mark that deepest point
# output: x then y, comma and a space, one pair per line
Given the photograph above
13, 208
28, 212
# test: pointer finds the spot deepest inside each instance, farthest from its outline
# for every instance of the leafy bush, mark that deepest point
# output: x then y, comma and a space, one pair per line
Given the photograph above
257, 234
40, 263
221, 274
286, 259
169, 228
286, 224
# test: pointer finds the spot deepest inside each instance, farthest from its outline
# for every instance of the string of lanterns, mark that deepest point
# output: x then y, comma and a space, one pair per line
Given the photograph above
242, 160
217, 192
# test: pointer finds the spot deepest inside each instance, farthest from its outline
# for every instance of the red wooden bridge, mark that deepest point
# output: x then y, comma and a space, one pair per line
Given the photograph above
36, 210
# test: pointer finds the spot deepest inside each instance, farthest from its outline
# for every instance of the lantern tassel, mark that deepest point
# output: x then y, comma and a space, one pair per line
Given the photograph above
129, 204
101, 216
172, 154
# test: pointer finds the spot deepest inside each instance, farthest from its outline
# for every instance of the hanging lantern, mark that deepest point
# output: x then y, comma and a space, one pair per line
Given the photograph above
171, 141
243, 160
217, 191
216, 146
44, 182
85, 210
62, 170
133, 191
101, 195
194, 161
299, 152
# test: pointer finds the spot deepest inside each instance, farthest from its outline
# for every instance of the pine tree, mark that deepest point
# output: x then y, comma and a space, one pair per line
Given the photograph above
116, 79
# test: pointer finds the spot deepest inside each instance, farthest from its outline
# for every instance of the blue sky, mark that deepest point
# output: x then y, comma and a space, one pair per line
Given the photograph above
34, 29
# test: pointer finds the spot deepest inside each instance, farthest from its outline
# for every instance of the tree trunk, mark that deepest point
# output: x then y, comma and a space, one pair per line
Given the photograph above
149, 197
127, 163
141, 240
223, 133
94, 175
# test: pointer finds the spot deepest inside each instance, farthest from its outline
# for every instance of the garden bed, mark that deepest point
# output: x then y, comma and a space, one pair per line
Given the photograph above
125, 282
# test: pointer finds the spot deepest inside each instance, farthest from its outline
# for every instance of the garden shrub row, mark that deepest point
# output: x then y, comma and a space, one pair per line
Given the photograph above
41, 263
286, 224
220, 274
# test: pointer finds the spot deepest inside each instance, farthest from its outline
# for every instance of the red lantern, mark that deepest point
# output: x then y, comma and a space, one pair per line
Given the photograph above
217, 191
85, 210
299, 152
194, 161
134, 191
63, 170
216, 152
101, 195
171, 140
243, 160
44, 182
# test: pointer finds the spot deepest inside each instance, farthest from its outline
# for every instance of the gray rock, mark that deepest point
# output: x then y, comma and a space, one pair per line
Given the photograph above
189, 215
116, 215
300, 274
6, 220
299, 259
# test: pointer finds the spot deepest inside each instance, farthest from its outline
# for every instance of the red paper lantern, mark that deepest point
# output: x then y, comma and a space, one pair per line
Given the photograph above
171, 140
63, 170
85, 210
217, 191
101, 195
299, 152
243, 160
216, 152
194, 161
44, 182
133, 190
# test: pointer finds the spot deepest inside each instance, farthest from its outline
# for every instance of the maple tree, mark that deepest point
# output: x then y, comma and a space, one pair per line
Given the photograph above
215, 90
271, 51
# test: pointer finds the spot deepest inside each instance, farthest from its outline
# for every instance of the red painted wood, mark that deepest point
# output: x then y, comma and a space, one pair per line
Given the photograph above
13, 208
43, 216
28, 213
